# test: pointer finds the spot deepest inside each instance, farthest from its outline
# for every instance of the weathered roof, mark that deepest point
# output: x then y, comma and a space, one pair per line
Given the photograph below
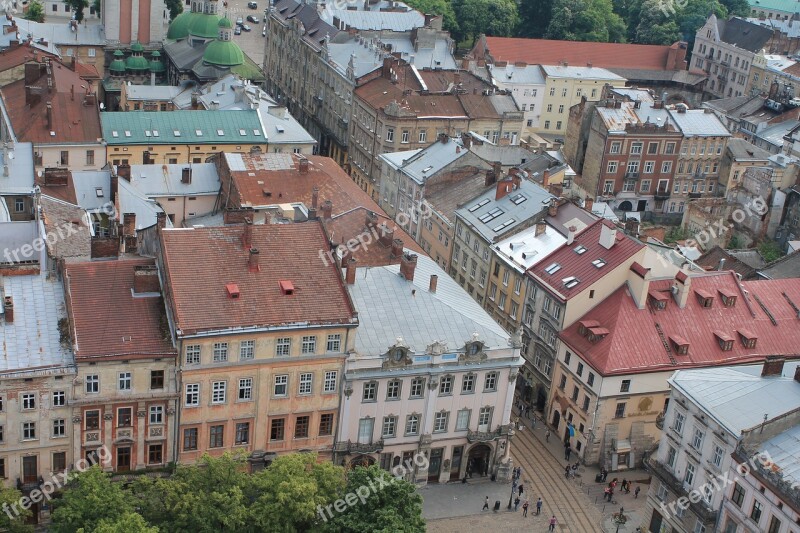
151, 92
786, 267
388, 309
67, 224
20, 177
698, 123
136, 328
570, 215
428, 161
525, 249
374, 20
741, 150
712, 259
130, 200
167, 180
61, 34
743, 34
584, 73
183, 127
512, 75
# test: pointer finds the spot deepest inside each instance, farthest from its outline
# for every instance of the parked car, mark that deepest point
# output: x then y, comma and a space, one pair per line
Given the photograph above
237, 30
252, 5
253, 19
245, 27
239, 21
264, 32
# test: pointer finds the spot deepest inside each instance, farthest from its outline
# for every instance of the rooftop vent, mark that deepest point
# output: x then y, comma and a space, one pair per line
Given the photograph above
287, 287
233, 290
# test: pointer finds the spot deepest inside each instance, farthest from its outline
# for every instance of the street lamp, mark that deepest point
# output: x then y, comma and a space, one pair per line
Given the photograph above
508, 457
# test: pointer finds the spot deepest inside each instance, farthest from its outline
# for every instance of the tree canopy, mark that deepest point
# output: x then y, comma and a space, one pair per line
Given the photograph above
586, 20
497, 18
35, 11
77, 6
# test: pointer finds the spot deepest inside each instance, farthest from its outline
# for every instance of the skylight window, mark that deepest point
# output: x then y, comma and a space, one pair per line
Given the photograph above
256, 133
580, 249
518, 199
98, 191
504, 225
127, 133
155, 133
553, 268
177, 133
147, 133
478, 205
599, 263
242, 132
199, 133
491, 215
114, 133
570, 282
221, 133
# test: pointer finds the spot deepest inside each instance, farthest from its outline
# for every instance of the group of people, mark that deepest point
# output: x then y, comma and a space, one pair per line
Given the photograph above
625, 486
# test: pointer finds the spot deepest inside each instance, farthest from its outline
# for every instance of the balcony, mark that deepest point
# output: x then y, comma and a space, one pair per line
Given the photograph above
631, 175
680, 489
662, 194
359, 447
487, 436
695, 195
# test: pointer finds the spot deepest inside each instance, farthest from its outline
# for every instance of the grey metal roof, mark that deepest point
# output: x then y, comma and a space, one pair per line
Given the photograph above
786, 267
60, 33
368, 57
375, 20
131, 200
428, 161
737, 396
281, 127
152, 92
388, 309
698, 123
230, 93
510, 75
784, 452
165, 180
513, 212
745, 151
774, 134
19, 158
789, 27
92, 188
743, 34
33, 341
15, 235
585, 73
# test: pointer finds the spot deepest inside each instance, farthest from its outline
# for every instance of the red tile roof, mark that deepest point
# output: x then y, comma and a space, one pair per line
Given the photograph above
287, 252
581, 266
16, 56
380, 92
577, 53
635, 345
106, 319
72, 120
350, 202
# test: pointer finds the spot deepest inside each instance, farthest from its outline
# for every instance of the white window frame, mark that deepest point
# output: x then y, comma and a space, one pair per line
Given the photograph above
219, 392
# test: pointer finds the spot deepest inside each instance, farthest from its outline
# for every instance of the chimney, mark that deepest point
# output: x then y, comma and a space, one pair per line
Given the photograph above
797, 373
721, 264
570, 235
632, 227
681, 288
8, 309
371, 220
129, 224
252, 261
490, 178
161, 220
385, 234
145, 279
466, 140
114, 185
546, 177
49, 116
350, 272
124, 171
443, 138
408, 263
639, 284
434, 282
247, 234
608, 236
303, 166
314, 197
588, 204
397, 248
186, 175
553, 209
498, 169
326, 210
503, 188
773, 366
541, 228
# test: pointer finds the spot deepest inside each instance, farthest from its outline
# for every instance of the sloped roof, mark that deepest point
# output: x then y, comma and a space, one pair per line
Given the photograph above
711, 261
743, 34
68, 224
192, 127
786, 267
137, 327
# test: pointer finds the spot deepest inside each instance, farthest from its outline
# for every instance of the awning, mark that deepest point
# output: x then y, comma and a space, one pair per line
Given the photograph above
623, 446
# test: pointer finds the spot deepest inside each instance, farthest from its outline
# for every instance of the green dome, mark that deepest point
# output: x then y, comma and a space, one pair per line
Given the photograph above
223, 54
204, 26
179, 28
137, 47
225, 22
137, 63
118, 64
157, 66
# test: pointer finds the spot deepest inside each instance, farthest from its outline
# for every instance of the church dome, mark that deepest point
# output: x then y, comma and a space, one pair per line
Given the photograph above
223, 54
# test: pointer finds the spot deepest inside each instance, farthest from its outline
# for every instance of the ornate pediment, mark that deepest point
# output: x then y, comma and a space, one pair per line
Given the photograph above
397, 355
436, 348
473, 350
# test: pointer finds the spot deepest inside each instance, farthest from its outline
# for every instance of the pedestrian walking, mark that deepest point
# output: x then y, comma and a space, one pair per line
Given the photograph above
553, 523
567, 452
566, 471
533, 421
624, 486
516, 504
636, 493
547, 436
485, 504
514, 484
525, 508
538, 506
521, 490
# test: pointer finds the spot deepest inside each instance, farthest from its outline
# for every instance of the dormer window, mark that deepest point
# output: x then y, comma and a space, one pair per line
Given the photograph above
584, 325
599, 263
704, 298
658, 300
728, 297
724, 340
597, 333
680, 345
474, 348
749, 339
398, 354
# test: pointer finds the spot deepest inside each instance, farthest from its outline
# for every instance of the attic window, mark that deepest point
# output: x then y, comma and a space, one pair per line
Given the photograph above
155, 133
518, 199
478, 205
491, 215
680, 344
570, 282
287, 287
597, 333
233, 290
115, 133
256, 133
98, 191
599, 263
705, 298
504, 225
728, 298
221, 133
585, 325
199, 133
553, 268
580, 249
177, 133
724, 340
279, 129
147, 133
127, 133
658, 300
242, 132
748, 339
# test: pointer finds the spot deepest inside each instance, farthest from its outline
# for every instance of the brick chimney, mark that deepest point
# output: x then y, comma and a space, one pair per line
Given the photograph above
434, 282
8, 309
161, 220
397, 248
385, 234
443, 138
350, 272
252, 261
541, 228
490, 178
553, 209
408, 263
303, 165
129, 224
145, 279
371, 220
503, 188
588, 204
326, 210
314, 197
773, 366
124, 171
247, 234
466, 140
49, 116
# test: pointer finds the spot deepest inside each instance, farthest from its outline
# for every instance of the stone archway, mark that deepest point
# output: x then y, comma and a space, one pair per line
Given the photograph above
625, 206
362, 460
478, 460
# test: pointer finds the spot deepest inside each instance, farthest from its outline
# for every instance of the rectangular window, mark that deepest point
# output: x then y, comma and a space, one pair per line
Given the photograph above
755, 512
417, 388
156, 379
423, 136
440, 422
29, 431
688, 477
697, 439
29, 401
155, 454
484, 418
490, 382
242, 433
446, 385
301, 427
283, 346
737, 496
393, 390
330, 381
326, 424
774, 525
92, 384
277, 429
389, 134
389, 426
412, 425
370, 392
462, 420
90, 157
625, 386
636, 148
220, 352
193, 354
309, 345
468, 384
590, 379
124, 417
216, 436
59, 398
281, 385
59, 428
306, 383
247, 350
125, 381
218, 390
192, 394
404, 137
334, 343
677, 424
156, 414
245, 389
619, 412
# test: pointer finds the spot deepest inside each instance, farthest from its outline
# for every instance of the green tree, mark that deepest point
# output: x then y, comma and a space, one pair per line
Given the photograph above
492, 17
127, 523
443, 8
35, 11
655, 27
289, 494
392, 505
175, 8
739, 8
77, 6
586, 20
13, 516
770, 251
97, 4
735, 242
534, 17
90, 497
